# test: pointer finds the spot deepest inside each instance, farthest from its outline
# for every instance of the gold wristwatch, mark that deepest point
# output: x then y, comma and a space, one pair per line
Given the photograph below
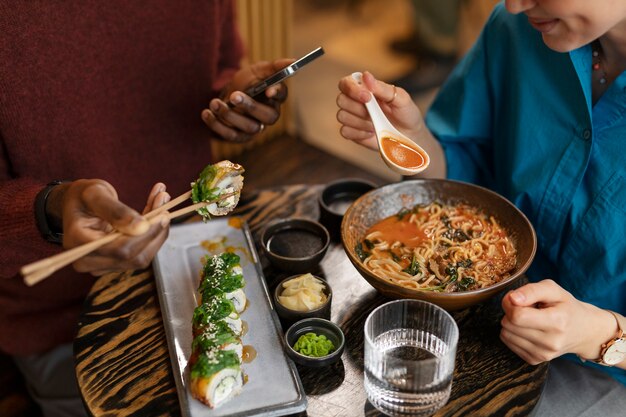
613, 351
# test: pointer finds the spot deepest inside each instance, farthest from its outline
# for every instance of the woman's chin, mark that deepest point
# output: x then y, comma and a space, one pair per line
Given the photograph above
559, 44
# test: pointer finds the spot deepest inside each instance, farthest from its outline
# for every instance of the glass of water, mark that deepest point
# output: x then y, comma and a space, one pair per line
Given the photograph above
410, 347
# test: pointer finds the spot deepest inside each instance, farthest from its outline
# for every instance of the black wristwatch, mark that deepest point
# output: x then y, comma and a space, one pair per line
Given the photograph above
41, 216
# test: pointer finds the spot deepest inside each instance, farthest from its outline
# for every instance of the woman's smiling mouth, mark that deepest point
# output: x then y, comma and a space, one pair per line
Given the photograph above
543, 25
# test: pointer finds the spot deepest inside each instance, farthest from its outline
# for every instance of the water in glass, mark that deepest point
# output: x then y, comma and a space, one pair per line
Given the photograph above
405, 374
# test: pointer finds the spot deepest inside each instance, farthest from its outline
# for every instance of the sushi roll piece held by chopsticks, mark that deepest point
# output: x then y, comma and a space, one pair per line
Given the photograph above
215, 192
220, 179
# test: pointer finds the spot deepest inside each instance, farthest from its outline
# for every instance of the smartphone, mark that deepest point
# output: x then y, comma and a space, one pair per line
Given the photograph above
284, 73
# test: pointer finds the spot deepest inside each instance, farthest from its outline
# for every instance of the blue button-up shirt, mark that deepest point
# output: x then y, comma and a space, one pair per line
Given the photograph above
517, 117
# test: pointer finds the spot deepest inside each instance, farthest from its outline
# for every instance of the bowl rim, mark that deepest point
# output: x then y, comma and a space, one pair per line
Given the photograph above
314, 320
447, 295
282, 224
326, 187
297, 312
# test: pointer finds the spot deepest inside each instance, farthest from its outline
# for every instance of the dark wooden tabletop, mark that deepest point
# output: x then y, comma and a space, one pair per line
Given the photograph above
123, 365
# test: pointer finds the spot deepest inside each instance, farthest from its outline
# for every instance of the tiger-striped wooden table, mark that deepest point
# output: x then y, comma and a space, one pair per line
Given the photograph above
123, 365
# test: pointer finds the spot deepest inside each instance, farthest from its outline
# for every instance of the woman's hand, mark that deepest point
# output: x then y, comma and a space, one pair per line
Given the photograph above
543, 321
399, 108
90, 209
395, 102
247, 116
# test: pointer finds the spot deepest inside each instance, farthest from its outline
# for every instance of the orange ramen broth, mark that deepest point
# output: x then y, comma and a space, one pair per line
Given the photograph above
436, 247
393, 229
402, 154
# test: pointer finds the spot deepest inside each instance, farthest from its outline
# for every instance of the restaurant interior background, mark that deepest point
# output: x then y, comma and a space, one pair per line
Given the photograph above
356, 35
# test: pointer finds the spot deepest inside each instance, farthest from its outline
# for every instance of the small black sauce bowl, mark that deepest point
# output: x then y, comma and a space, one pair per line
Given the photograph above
336, 197
320, 327
295, 245
290, 316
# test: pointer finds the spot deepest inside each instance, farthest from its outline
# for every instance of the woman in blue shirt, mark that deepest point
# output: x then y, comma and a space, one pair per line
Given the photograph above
535, 111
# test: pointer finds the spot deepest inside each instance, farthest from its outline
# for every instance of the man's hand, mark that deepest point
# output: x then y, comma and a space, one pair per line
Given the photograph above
90, 209
246, 116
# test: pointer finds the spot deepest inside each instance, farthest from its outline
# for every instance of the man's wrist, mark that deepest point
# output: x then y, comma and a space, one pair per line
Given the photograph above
48, 211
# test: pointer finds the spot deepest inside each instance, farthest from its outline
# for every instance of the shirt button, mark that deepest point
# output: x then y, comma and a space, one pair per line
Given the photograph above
586, 134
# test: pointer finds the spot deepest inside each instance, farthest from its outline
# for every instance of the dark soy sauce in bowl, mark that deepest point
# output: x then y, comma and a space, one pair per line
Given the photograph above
295, 243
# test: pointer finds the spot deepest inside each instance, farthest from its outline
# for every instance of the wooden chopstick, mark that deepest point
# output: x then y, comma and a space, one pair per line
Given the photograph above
172, 203
39, 270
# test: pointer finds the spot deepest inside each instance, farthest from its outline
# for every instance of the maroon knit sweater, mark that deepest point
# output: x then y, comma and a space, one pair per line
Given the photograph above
96, 89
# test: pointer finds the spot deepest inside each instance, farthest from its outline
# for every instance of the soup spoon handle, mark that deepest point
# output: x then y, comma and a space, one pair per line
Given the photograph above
386, 131
380, 121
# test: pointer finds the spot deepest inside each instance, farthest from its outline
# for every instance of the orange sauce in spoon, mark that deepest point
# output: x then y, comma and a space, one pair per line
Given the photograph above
401, 154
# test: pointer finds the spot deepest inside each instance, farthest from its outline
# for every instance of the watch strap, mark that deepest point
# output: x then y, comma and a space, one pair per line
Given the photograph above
41, 215
619, 335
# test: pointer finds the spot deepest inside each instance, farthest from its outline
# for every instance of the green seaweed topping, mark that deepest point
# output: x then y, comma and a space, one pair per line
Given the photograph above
413, 268
403, 212
219, 264
311, 344
466, 282
211, 362
360, 252
213, 286
218, 276
216, 309
465, 263
216, 334
201, 191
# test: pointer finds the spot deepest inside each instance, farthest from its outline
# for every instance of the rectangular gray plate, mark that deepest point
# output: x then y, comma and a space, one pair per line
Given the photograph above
273, 387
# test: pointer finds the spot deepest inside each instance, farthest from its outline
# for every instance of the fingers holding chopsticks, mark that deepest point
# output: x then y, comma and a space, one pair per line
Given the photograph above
107, 234
92, 210
124, 253
158, 197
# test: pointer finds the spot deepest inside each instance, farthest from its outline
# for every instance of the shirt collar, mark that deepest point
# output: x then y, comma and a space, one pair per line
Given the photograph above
581, 59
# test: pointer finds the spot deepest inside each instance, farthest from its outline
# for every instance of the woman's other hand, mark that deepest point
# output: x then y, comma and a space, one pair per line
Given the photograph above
543, 321
395, 102
91, 209
246, 116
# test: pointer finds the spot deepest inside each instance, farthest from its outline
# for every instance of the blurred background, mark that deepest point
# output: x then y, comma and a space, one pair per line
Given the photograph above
410, 43
413, 44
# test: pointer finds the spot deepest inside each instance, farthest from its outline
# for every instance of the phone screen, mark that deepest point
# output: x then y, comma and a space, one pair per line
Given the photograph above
284, 73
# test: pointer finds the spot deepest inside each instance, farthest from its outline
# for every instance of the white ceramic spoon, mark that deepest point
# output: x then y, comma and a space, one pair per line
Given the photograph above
399, 152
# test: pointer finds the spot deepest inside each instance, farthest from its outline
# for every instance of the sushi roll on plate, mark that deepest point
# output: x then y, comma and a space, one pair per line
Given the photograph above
217, 308
218, 335
222, 274
216, 376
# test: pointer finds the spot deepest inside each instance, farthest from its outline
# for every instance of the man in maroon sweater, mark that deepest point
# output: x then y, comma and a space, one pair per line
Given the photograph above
126, 92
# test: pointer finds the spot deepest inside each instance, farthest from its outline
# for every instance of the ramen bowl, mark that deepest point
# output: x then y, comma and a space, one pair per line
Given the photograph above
388, 200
